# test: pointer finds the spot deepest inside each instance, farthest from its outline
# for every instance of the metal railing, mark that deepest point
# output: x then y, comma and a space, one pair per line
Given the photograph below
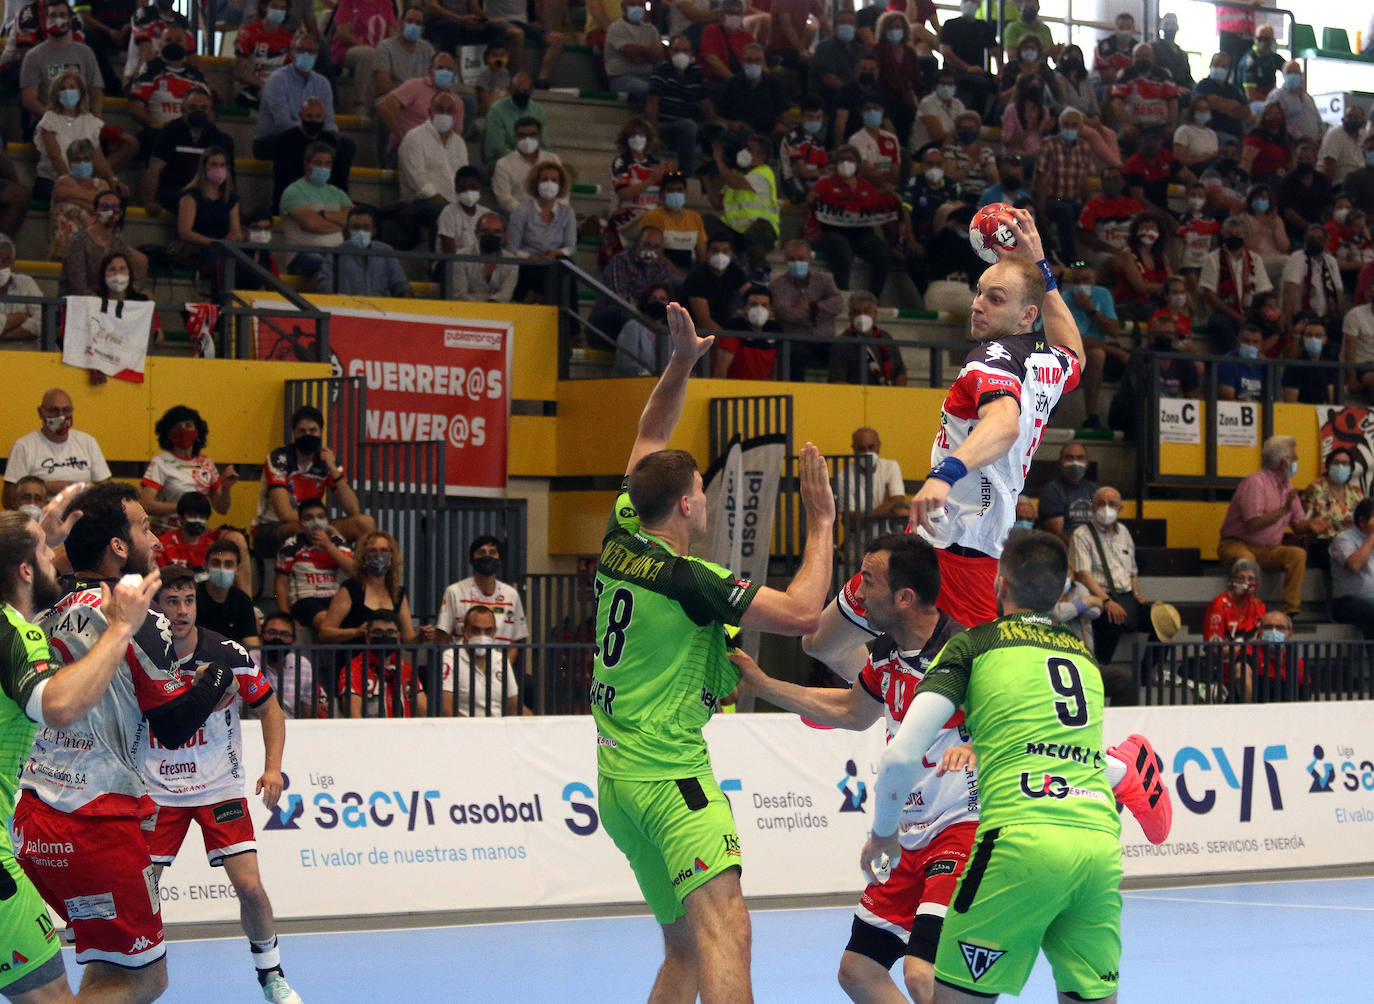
1230, 672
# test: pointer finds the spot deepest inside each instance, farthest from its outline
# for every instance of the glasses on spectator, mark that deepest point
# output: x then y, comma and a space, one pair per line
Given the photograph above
385, 635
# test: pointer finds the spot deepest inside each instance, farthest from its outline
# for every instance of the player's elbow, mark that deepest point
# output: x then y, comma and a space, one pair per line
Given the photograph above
60, 713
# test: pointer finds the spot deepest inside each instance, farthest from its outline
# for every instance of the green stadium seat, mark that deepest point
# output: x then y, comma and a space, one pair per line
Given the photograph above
1335, 41
1304, 41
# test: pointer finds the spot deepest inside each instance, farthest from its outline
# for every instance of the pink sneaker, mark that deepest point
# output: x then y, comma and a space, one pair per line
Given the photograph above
1142, 789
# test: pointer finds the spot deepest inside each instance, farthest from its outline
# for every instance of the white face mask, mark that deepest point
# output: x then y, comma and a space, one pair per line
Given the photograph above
758, 316
744, 158
5, 276
116, 283
682, 60
846, 168
935, 175
527, 144
442, 123
863, 324
1340, 215
481, 639
32, 511
719, 262
1196, 202
638, 143
1177, 301
548, 189
1105, 515
260, 237
469, 198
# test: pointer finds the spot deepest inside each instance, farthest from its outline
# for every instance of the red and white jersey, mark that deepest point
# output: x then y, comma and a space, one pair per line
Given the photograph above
91, 766
163, 89
310, 571
209, 768
503, 601
265, 50
172, 477
982, 506
1200, 235
892, 677
880, 150
1146, 100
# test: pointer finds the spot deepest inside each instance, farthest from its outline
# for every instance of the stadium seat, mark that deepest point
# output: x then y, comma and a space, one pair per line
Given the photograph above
1304, 41
1335, 41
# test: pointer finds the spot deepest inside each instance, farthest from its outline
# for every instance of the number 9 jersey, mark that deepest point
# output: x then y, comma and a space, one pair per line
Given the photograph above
982, 506
660, 669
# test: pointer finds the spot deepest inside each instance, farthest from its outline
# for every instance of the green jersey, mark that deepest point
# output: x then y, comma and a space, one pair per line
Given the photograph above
660, 668
1032, 695
25, 661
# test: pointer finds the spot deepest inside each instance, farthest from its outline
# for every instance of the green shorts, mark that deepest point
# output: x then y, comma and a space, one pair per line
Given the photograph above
26, 933
677, 835
1031, 887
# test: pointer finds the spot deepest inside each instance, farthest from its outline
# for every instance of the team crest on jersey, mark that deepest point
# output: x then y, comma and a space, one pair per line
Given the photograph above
979, 959
996, 350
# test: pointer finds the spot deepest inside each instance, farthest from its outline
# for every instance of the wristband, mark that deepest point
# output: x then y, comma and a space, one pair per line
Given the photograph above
1044, 267
949, 470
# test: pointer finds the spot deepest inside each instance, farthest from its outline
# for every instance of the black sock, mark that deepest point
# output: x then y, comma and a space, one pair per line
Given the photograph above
265, 974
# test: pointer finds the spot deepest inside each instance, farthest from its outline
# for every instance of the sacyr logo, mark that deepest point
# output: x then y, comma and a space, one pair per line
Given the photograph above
854, 798
1321, 770
589, 821
1202, 802
285, 814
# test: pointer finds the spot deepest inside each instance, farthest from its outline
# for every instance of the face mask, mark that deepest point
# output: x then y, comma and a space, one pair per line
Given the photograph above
969, 9
1177, 301
520, 99
197, 119
1025, 524
1293, 469
1273, 636
1196, 202
863, 324
845, 33
309, 444
634, 14
217, 175
944, 91
377, 563
360, 238
173, 53
1074, 470
5, 274
410, 31
1010, 182
221, 578
311, 129
1292, 81
469, 197
499, 63
1202, 118
1270, 314
1069, 135
1233, 242
637, 143
1339, 473
527, 144
277, 16
656, 309
548, 190
1028, 15
758, 316
675, 200
1029, 55
184, 438
489, 243
82, 170
895, 36
868, 80
58, 27
1113, 186
260, 237
442, 123
319, 523
32, 511
320, 176
1314, 248
109, 217
1340, 215
744, 158
443, 78
1314, 348
967, 135
486, 564
719, 262
116, 283
1105, 515
1163, 343
935, 175
58, 424
195, 527
1148, 239
1260, 205
486, 639
1369, 158
681, 60
873, 118
846, 168
1142, 66
732, 22
1218, 73
305, 61
798, 269
1247, 351
648, 255
813, 126
1125, 37
1085, 287
69, 97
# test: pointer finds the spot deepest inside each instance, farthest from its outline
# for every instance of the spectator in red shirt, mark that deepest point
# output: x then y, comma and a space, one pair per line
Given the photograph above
186, 545
749, 355
1144, 268
1235, 615
1150, 170
791, 33
721, 51
1268, 149
1114, 52
900, 77
1106, 219
380, 676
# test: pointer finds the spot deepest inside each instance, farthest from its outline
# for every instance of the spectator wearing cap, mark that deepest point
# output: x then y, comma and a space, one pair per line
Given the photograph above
1061, 179
1352, 573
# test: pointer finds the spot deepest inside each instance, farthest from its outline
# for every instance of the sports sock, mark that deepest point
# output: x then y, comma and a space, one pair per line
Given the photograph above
266, 957
1116, 771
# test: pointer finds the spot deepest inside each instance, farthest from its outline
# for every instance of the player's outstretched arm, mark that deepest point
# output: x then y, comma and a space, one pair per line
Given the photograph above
1060, 328
853, 709
69, 695
798, 610
998, 426
664, 406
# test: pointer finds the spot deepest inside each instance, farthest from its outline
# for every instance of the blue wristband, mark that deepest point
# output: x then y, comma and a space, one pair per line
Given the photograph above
1044, 267
949, 470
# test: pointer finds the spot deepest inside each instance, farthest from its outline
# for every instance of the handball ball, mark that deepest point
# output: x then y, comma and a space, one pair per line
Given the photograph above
988, 229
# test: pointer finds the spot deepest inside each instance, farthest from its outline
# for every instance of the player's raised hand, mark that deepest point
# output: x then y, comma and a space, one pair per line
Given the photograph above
682, 333
1028, 245
55, 527
127, 605
816, 496
879, 856
929, 504
956, 758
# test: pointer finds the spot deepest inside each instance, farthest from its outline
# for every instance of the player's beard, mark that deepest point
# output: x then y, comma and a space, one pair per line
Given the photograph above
46, 590
139, 562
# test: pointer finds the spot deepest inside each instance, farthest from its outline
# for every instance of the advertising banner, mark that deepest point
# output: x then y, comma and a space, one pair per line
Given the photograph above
1351, 429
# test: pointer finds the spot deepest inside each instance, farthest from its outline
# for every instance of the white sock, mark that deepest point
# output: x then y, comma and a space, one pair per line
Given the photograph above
1116, 771
266, 954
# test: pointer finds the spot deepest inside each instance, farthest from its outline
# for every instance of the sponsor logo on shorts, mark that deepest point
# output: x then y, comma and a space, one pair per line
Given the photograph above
731, 845
100, 906
141, 944
227, 812
1112, 977
945, 866
700, 866
979, 959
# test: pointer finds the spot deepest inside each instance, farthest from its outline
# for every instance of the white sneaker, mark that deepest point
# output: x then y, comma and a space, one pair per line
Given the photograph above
278, 991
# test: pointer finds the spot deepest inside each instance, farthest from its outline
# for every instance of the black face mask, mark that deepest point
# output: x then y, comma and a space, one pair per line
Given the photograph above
657, 310
385, 645
173, 53
197, 119
1233, 243
1314, 248
195, 527
1011, 182
1071, 65
1163, 343
309, 444
312, 129
868, 79
274, 651
1351, 127
520, 98
1305, 169
486, 565
489, 243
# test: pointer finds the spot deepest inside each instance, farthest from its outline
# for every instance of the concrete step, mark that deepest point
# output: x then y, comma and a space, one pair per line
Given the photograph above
1205, 587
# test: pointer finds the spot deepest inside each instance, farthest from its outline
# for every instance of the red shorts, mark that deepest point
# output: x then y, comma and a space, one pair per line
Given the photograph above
922, 883
95, 872
966, 592
226, 828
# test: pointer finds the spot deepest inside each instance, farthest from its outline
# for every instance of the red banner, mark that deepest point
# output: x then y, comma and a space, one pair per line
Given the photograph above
429, 377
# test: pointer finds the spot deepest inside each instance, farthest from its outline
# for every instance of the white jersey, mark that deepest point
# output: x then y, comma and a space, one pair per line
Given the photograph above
982, 506
473, 688
935, 803
503, 601
209, 768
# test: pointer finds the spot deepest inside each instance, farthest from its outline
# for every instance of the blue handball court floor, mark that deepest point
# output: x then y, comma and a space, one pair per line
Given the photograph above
1288, 941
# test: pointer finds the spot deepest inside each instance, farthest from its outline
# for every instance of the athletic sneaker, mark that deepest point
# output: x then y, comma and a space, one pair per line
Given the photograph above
278, 991
1142, 789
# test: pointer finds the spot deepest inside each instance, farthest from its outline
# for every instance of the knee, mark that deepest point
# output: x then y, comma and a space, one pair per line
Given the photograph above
515, 35
919, 977
1097, 358
852, 977
555, 39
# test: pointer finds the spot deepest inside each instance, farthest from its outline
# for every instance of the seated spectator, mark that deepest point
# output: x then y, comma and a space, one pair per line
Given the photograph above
261, 47
176, 155
1066, 503
1312, 281
1102, 557
513, 16
30, 496
429, 158
450, 24
926, 191
851, 98
1025, 120
543, 226
311, 566
188, 544
511, 173
1357, 344
258, 223
1229, 106
1346, 242
303, 469
483, 589
486, 684
636, 345
1144, 94
363, 274
1195, 143
1173, 377
802, 155
404, 56
374, 586
1076, 91
684, 232
14, 196
59, 52
155, 96
880, 153
677, 104
1242, 379
936, 112
880, 365
1235, 615
1264, 506
1150, 170
290, 673
1169, 56
81, 267
1105, 222
847, 211
283, 125
1114, 52
55, 452
792, 29
969, 162
753, 100
1028, 26
1333, 496
457, 226
411, 104
22, 323
713, 287
635, 175
66, 121
1352, 575
314, 211
154, 25
744, 352
1268, 149
1178, 306
1311, 384
870, 485
1359, 184
106, 29
117, 285
628, 274
1260, 66
359, 26
288, 153
1094, 311
380, 676
1144, 267
505, 116
1340, 148
221, 606
1065, 164
835, 61
182, 467
633, 48
1026, 70
1232, 277
723, 44
1198, 231
487, 281
1304, 194
1010, 184
493, 82
1300, 113
805, 301
748, 202
207, 216
900, 73
72, 209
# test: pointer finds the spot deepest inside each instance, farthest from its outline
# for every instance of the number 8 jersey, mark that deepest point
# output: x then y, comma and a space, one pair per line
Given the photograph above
982, 506
660, 669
